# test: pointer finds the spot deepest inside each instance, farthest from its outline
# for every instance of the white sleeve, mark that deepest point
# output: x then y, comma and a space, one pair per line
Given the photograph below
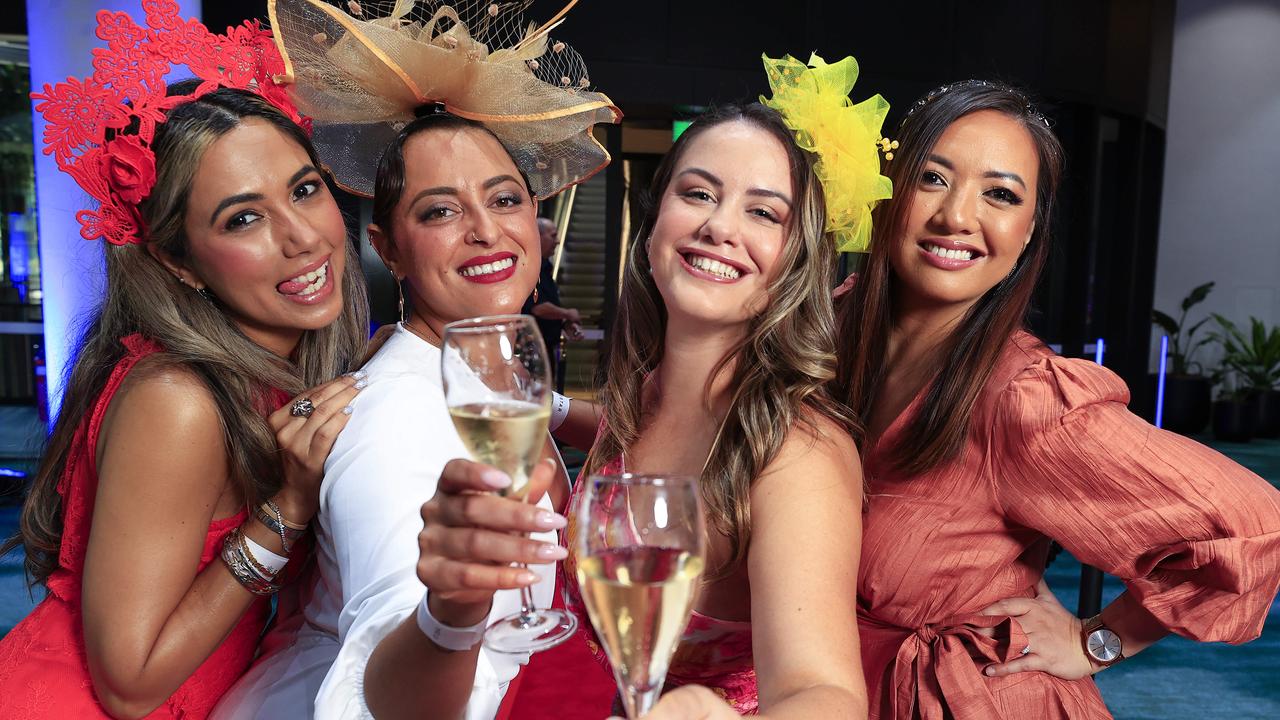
384, 466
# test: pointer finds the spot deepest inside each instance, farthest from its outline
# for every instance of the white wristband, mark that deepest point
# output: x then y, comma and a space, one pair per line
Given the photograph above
559, 411
267, 559
449, 638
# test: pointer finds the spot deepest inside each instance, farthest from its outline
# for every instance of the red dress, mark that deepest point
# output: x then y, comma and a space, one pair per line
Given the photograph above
43, 668
1052, 452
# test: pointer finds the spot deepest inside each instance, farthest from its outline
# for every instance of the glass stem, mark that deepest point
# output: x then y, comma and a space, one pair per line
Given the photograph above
638, 701
528, 611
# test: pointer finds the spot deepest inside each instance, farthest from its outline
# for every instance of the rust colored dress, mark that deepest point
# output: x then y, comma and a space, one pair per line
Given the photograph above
1052, 452
44, 672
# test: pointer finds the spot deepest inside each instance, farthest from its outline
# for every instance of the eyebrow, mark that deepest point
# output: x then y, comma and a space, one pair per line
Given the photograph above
1015, 177
450, 190
304, 171
754, 192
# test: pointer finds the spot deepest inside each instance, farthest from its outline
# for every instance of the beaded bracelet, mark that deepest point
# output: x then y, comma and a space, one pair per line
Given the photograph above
242, 566
268, 513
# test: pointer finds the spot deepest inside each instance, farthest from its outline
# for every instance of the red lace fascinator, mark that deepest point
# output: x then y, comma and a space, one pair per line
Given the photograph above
128, 87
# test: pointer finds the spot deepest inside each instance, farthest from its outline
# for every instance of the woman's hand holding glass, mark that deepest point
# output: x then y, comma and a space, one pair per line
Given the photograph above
691, 702
472, 537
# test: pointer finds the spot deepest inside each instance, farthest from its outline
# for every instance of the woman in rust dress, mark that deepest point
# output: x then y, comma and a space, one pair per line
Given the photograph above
984, 446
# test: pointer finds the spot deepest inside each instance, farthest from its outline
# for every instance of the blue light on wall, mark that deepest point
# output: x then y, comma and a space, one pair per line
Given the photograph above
60, 42
1164, 360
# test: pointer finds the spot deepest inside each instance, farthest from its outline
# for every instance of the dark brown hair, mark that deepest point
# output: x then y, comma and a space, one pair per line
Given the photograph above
780, 369
141, 296
388, 185
866, 315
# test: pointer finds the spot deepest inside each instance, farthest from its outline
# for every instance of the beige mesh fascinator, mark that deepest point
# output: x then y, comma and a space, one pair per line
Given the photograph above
362, 70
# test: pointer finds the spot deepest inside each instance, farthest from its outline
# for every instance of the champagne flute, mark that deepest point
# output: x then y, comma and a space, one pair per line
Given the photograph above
497, 386
639, 556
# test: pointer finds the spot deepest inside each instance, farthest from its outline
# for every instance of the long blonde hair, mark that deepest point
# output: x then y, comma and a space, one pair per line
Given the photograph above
779, 369
142, 297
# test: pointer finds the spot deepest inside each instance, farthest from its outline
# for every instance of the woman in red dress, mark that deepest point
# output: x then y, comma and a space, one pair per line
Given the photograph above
983, 446
178, 476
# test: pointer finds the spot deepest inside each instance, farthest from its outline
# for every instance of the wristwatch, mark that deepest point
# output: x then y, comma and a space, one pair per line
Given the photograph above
1101, 644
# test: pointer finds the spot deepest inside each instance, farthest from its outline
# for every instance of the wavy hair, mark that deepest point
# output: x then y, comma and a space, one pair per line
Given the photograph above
937, 432
779, 370
141, 296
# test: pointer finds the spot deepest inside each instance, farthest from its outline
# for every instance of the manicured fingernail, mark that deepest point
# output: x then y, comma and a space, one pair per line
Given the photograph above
551, 552
547, 520
495, 479
359, 374
361, 384
527, 578
348, 409
989, 670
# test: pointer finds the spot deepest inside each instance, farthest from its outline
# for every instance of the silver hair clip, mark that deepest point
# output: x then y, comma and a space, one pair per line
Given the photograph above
1028, 108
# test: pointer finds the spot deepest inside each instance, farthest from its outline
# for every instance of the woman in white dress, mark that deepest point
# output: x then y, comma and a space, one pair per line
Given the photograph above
448, 198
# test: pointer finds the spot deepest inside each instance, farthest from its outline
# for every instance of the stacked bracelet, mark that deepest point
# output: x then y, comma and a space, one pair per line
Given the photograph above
268, 513
244, 567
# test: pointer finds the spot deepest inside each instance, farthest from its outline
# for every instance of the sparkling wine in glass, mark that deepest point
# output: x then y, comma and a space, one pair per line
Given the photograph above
639, 555
497, 385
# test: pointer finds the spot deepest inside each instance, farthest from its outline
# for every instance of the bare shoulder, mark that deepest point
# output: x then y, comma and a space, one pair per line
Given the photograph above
821, 440
162, 409
819, 453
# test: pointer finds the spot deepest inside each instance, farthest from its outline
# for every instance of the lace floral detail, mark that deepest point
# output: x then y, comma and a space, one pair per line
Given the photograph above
127, 86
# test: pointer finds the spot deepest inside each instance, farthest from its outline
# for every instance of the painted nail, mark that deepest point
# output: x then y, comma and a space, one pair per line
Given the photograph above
359, 374
527, 578
361, 384
551, 552
495, 479
348, 409
547, 520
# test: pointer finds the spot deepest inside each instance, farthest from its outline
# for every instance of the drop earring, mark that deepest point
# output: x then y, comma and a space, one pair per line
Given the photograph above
399, 295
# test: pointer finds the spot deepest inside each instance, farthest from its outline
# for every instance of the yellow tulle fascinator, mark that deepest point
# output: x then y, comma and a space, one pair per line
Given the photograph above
814, 102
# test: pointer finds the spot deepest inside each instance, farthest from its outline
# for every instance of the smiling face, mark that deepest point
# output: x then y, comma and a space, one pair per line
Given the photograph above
722, 224
464, 233
972, 211
264, 236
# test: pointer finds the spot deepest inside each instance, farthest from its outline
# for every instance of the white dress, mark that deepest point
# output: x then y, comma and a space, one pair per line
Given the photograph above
383, 467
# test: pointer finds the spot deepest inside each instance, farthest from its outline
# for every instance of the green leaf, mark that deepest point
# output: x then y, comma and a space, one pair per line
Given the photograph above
1196, 296
1166, 323
1191, 331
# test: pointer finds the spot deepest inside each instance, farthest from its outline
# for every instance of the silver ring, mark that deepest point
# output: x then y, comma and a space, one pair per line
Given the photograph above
302, 407
1026, 650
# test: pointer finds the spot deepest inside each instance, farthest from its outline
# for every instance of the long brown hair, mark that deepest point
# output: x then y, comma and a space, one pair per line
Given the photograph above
142, 297
780, 369
866, 315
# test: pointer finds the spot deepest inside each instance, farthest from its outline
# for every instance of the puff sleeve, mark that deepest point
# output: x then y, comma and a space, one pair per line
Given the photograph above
1194, 536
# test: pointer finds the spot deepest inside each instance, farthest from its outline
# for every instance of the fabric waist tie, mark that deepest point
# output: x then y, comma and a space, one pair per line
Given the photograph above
935, 665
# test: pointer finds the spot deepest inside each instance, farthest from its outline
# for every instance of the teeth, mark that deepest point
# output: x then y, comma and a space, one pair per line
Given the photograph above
715, 267
950, 254
313, 275
313, 287
487, 268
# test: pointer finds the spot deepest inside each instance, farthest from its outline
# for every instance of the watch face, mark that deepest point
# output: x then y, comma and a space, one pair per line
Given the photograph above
1104, 645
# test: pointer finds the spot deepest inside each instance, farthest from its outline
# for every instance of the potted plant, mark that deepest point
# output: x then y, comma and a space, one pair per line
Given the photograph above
1235, 412
1255, 358
1187, 391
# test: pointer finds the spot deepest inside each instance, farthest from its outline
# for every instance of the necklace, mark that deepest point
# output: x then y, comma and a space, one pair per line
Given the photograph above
431, 339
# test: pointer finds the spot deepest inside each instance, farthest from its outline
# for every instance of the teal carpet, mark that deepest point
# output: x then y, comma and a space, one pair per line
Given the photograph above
1176, 678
